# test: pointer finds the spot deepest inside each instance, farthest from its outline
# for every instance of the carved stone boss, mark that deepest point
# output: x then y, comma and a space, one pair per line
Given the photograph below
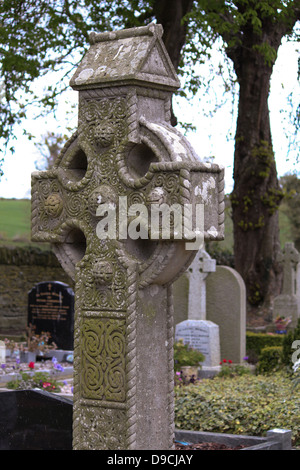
124, 146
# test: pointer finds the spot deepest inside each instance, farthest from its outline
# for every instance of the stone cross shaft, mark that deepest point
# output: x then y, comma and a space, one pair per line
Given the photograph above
290, 257
125, 154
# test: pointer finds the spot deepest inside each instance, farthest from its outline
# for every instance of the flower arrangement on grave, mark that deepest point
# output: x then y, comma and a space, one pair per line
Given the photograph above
228, 369
11, 344
37, 342
184, 355
39, 380
281, 323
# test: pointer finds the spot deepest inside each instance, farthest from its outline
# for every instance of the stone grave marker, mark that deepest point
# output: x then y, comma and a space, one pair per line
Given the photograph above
51, 309
287, 304
199, 269
226, 306
220, 295
190, 288
196, 330
202, 335
125, 159
2, 352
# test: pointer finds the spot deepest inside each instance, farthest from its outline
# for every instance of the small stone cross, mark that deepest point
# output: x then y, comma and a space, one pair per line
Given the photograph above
290, 257
199, 269
125, 157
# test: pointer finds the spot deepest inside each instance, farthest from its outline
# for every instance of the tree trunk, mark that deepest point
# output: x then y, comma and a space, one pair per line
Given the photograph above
170, 14
256, 195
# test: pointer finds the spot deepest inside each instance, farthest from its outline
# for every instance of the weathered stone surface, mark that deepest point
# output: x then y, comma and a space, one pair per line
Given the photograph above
226, 306
125, 152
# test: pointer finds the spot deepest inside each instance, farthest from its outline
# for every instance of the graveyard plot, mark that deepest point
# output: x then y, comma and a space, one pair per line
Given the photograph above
244, 405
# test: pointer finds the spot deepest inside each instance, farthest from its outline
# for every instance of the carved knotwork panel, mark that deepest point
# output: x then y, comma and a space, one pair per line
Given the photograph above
103, 344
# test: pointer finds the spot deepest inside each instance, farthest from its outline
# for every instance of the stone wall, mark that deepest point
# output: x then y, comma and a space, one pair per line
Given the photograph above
20, 270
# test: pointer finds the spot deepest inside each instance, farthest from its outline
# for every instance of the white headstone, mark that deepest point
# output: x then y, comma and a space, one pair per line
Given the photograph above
197, 273
202, 335
2, 352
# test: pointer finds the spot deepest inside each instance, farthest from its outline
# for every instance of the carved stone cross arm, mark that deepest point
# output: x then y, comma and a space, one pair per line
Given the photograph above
125, 207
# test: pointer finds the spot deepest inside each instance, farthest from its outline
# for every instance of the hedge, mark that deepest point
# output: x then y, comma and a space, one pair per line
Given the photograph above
255, 342
269, 360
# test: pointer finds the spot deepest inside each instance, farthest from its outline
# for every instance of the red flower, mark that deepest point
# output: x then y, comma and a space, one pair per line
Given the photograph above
230, 362
31, 365
224, 360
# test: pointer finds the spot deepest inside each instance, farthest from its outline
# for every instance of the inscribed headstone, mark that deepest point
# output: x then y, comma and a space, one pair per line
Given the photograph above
51, 310
202, 335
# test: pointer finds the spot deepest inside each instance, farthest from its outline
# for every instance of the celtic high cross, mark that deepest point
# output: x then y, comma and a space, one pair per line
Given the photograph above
125, 154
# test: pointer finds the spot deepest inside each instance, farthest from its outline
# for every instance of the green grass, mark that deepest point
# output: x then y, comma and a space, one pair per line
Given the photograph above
15, 224
15, 220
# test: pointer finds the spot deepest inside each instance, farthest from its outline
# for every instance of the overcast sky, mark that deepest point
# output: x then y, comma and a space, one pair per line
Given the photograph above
213, 137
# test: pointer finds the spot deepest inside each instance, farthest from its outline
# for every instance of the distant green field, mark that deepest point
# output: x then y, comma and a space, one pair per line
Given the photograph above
15, 220
15, 225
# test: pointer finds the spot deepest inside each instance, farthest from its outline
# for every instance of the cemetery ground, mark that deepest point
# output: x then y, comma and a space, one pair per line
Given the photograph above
240, 400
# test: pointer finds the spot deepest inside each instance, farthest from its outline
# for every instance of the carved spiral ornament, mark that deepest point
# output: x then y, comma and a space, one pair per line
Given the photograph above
53, 205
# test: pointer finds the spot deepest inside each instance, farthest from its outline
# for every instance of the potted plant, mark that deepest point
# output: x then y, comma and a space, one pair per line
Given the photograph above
187, 360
